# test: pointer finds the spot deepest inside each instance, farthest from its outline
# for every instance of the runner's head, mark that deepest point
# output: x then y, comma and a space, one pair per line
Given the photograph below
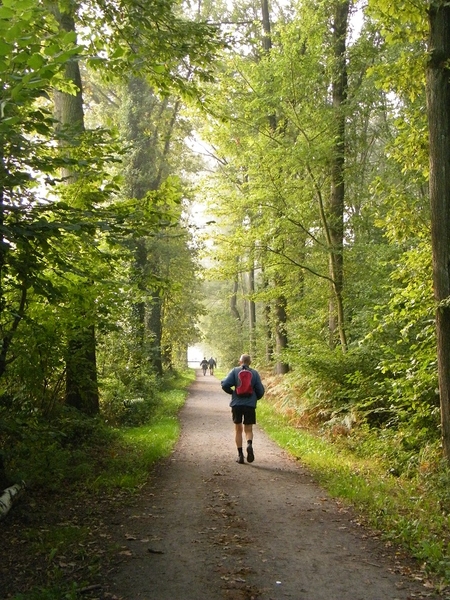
245, 359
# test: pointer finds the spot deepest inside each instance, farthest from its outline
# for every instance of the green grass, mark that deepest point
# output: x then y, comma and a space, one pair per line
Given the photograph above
137, 449
407, 510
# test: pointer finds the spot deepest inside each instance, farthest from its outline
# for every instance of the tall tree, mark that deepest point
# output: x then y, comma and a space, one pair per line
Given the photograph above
438, 98
337, 197
279, 312
81, 366
150, 128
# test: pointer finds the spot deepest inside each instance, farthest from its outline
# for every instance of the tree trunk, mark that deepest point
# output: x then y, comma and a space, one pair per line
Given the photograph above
233, 301
267, 42
81, 371
267, 312
252, 311
337, 195
279, 312
68, 108
267, 46
17, 312
281, 367
150, 130
81, 365
438, 101
154, 328
268, 330
4, 480
8, 497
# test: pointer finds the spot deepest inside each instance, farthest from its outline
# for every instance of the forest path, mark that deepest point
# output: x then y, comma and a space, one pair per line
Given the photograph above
211, 529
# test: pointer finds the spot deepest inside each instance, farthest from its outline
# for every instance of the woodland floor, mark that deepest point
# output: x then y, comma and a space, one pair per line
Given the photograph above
207, 528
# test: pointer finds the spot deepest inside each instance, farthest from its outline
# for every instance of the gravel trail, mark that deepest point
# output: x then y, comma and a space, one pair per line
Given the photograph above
211, 529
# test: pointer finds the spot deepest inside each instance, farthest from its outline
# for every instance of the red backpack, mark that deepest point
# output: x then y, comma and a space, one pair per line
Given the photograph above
244, 387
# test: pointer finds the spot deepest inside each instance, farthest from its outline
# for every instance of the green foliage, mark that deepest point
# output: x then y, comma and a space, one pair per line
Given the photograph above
404, 341
170, 50
51, 247
111, 251
140, 447
389, 378
49, 453
71, 449
129, 396
334, 386
217, 320
402, 452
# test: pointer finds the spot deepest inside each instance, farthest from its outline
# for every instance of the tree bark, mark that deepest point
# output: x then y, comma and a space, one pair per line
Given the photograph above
81, 364
337, 195
4, 480
154, 328
267, 42
252, 310
7, 333
8, 497
268, 330
267, 314
81, 371
281, 367
233, 301
438, 106
149, 129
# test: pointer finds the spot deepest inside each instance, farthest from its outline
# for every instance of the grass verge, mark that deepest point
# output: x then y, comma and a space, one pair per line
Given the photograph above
409, 512
138, 448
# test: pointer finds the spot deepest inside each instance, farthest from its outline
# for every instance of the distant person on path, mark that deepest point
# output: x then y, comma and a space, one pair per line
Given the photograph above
204, 365
246, 388
212, 365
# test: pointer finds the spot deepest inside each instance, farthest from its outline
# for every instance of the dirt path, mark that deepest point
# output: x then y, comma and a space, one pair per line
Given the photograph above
211, 529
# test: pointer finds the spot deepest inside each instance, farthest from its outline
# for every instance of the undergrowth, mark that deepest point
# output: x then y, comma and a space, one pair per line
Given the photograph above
87, 463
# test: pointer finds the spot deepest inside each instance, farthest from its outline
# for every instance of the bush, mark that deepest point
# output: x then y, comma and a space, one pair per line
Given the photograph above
129, 402
46, 452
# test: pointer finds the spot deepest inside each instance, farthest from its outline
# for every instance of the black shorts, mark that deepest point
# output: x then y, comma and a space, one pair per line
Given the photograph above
243, 413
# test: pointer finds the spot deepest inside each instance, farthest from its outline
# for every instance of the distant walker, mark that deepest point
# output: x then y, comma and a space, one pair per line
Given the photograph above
204, 365
212, 365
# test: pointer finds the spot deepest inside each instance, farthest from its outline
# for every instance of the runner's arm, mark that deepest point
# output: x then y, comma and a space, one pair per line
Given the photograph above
258, 387
229, 382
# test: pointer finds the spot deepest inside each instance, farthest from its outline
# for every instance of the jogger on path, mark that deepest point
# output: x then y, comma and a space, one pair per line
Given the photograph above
246, 388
